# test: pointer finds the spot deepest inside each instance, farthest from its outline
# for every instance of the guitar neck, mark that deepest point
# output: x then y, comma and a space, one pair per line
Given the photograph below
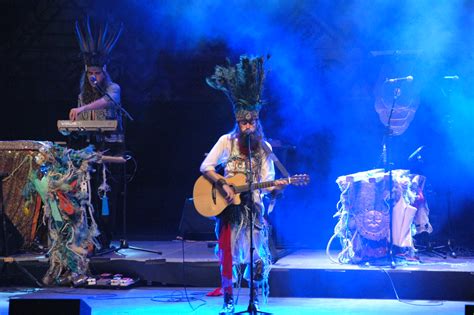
246, 187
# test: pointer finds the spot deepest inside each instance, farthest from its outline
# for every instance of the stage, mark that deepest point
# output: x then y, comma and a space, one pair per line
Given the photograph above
166, 301
298, 273
115, 109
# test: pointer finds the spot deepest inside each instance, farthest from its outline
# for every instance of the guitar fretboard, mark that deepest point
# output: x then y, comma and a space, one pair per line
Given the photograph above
243, 188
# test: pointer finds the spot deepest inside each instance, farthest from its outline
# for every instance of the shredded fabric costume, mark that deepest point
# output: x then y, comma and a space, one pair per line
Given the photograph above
232, 226
63, 183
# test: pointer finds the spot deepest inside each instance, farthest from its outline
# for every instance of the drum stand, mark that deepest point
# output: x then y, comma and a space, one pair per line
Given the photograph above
428, 247
431, 250
448, 246
446, 250
252, 307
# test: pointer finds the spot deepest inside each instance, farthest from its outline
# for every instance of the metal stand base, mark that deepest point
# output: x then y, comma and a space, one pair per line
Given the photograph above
442, 251
124, 242
252, 309
124, 245
7, 277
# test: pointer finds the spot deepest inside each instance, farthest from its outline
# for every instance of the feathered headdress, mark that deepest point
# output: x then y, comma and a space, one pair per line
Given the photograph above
243, 85
96, 43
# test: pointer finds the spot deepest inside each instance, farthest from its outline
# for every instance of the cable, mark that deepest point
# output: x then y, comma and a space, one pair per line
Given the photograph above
129, 156
168, 298
184, 282
436, 303
172, 298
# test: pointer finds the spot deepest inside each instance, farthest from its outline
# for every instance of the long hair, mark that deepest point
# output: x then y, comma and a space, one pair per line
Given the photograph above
88, 93
256, 138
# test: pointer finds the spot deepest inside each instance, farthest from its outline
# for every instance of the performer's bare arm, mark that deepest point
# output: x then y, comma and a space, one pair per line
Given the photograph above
215, 177
100, 103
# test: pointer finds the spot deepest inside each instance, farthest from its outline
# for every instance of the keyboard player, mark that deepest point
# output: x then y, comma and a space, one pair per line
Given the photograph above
99, 99
94, 105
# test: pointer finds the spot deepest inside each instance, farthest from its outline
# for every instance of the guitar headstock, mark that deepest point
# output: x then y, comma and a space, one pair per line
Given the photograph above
299, 179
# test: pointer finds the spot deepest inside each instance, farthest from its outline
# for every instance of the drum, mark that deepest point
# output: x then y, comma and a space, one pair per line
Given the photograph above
363, 199
16, 161
364, 214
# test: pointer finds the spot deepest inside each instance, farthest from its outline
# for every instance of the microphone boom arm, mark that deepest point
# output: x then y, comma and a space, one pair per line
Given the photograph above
113, 101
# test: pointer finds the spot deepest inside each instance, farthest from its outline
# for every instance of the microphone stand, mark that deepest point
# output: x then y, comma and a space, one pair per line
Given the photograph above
123, 242
388, 167
117, 105
252, 308
449, 203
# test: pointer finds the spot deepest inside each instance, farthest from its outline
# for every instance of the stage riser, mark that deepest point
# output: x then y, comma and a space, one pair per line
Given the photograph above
304, 283
372, 284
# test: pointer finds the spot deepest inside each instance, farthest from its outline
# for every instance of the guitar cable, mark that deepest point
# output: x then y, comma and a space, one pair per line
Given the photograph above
184, 282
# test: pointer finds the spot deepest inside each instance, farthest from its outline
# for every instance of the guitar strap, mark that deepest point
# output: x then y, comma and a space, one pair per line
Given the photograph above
282, 169
275, 159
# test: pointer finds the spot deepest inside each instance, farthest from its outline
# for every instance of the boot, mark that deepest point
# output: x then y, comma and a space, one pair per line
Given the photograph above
258, 271
255, 295
228, 307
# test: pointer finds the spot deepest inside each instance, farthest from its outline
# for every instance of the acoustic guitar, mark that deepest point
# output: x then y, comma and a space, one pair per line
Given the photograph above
209, 201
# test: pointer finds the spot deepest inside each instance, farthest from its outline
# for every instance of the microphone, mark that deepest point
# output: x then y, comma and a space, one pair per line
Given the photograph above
415, 153
408, 78
93, 80
451, 77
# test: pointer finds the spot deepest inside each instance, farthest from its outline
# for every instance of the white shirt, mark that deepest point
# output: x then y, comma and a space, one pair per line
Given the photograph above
226, 151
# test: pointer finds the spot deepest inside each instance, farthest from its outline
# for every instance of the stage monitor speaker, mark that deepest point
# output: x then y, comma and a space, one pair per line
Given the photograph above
194, 226
48, 306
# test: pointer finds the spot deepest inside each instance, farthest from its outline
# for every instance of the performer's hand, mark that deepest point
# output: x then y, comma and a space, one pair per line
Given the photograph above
73, 113
280, 184
229, 193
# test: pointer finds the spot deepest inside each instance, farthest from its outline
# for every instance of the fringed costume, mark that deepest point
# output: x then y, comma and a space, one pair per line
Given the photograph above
242, 83
63, 183
232, 225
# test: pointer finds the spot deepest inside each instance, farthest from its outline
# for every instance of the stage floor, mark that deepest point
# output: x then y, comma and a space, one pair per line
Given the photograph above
299, 273
148, 300
177, 251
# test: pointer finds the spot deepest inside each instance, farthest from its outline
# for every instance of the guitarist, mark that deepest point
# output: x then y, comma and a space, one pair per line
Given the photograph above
231, 150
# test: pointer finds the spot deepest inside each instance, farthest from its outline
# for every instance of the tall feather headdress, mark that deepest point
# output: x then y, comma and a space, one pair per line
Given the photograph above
97, 42
243, 85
